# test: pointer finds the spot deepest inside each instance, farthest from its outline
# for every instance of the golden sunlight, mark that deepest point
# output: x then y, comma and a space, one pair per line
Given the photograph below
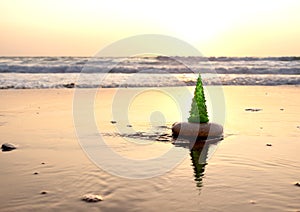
33, 27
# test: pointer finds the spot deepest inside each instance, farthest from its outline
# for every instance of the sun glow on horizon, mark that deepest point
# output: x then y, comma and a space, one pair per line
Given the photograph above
81, 28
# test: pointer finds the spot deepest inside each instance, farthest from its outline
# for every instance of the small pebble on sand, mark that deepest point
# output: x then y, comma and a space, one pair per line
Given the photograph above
253, 109
44, 192
129, 125
113, 122
268, 144
8, 147
35, 173
91, 198
297, 184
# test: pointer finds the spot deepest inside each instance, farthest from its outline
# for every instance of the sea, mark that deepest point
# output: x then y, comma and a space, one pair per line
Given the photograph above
158, 71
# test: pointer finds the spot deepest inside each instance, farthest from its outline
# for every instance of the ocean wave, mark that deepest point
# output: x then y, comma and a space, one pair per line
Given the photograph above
160, 64
61, 72
114, 80
149, 68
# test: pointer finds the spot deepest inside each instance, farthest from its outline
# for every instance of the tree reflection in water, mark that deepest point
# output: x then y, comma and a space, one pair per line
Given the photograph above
200, 152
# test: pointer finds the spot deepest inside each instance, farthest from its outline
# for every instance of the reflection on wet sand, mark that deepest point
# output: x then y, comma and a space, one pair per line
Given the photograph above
198, 167
200, 152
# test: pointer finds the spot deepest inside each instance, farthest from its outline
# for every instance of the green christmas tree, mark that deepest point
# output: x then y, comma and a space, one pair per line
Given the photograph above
198, 112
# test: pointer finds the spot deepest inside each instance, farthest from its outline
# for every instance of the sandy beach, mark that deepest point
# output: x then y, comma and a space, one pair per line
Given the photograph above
243, 174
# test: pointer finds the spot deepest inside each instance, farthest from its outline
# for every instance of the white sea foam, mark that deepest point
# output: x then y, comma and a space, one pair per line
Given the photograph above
58, 72
28, 81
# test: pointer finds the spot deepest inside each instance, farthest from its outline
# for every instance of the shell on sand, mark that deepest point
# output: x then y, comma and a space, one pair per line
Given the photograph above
200, 130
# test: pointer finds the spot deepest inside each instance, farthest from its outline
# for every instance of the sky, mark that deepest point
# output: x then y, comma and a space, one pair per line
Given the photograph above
214, 27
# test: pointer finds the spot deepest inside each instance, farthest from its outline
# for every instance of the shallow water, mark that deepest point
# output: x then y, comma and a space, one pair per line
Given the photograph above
242, 174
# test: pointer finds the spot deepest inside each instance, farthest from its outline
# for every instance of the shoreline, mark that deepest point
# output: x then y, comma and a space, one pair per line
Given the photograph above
139, 87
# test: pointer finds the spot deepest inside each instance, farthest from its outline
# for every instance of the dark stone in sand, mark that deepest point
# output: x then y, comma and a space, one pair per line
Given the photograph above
197, 130
297, 184
42, 163
44, 192
253, 109
7, 147
281, 109
91, 198
268, 144
129, 125
69, 85
113, 122
35, 173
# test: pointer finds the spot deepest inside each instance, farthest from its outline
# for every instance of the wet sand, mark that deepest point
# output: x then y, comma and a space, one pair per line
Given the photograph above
243, 174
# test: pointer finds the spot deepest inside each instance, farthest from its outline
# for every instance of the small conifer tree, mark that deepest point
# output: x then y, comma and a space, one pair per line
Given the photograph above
198, 112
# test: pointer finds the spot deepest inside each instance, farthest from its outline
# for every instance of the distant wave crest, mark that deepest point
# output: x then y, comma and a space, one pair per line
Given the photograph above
160, 64
62, 72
